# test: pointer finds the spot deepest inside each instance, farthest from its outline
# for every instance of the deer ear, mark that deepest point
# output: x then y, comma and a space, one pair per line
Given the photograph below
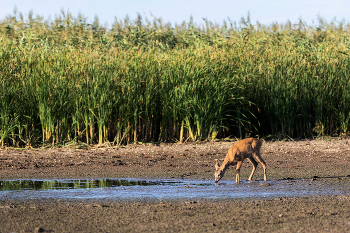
217, 164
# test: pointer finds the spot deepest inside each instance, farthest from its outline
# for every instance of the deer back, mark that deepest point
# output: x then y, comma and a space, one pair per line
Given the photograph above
244, 149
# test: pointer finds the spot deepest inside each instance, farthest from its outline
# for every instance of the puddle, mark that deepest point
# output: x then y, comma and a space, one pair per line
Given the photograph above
23, 185
167, 189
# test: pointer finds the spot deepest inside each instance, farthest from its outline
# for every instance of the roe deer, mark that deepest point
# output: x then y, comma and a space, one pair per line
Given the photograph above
248, 148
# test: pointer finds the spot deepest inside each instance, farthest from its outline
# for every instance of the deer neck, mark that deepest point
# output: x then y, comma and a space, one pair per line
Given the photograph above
225, 165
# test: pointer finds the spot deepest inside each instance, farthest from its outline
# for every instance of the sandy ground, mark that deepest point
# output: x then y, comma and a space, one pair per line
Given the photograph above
307, 159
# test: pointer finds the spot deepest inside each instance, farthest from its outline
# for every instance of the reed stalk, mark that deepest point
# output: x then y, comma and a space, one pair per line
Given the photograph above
149, 81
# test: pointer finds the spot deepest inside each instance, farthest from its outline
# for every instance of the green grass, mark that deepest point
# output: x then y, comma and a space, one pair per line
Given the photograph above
67, 81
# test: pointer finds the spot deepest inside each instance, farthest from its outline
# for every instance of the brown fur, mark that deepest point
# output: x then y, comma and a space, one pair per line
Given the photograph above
248, 148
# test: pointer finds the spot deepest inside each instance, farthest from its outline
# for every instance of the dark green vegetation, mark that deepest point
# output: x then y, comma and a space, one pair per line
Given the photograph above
20, 185
64, 80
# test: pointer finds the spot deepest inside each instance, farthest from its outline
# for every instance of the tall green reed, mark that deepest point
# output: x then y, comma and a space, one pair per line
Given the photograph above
70, 81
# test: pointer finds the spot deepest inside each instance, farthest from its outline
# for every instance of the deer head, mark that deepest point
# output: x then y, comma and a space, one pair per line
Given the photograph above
218, 172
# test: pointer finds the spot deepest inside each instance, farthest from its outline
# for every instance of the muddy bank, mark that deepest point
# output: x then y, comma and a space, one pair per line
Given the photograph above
297, 159
316, 214
307, 160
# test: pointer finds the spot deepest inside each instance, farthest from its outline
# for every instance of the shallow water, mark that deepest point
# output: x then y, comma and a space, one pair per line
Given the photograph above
169, 189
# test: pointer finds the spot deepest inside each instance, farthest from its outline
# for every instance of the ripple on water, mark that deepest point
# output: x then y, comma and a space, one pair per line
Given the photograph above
165, 189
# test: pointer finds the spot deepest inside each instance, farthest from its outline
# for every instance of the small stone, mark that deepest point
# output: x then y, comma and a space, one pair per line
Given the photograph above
39, 229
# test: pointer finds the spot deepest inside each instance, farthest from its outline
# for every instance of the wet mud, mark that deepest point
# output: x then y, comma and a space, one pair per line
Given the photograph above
301, 166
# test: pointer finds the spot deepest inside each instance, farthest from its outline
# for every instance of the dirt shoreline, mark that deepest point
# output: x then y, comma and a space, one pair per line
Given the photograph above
307, 159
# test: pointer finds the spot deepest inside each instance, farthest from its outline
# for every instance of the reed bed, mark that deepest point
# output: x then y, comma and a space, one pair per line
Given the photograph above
67, 81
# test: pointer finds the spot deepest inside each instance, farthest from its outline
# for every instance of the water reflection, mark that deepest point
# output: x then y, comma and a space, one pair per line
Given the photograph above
18, 185
130, 188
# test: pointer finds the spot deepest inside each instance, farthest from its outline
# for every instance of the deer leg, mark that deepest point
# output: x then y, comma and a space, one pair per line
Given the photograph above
238, 169
258, 157
255, 164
